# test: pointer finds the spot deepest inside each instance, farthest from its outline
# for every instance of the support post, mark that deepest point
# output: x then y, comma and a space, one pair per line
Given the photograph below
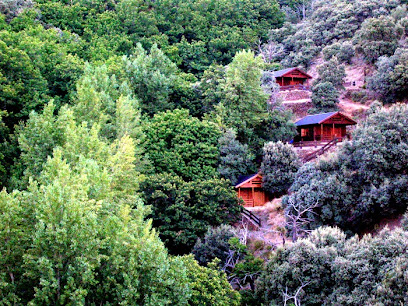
321, 132
314, 135
253, 197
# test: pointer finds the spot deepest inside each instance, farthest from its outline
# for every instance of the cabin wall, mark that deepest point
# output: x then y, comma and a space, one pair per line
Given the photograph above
252, 193
253, 196
319, 133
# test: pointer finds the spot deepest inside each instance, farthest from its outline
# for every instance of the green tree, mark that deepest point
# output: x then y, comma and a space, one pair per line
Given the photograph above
15, 230
244, 106
182, 145
215, 244
389, 82
210, 87
331, 72
102, 99
37, 139
22, 86
209, 285
279, 166
153, 78
324, 97
244, 98
377, 37
235, 158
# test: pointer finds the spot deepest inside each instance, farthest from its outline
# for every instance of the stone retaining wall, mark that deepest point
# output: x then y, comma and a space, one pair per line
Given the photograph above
299, 108
294, 95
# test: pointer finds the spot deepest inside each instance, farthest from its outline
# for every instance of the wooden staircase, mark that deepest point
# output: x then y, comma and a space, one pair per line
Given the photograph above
321, 151
250, 216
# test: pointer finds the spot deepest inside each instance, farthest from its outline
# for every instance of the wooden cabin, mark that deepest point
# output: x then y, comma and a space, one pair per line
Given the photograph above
249, 188
322, 127
292, 78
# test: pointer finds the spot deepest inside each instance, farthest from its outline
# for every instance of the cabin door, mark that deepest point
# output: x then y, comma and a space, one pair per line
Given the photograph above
327, 132
337, 132
246, 195
259, 197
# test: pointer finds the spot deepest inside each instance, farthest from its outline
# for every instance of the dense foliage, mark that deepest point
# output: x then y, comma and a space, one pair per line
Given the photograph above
193, 34
389, 82
183, 211
108, 106
331, 22
326, 269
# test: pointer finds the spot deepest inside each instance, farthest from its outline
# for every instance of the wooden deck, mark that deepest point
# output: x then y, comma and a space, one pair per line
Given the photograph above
315, 144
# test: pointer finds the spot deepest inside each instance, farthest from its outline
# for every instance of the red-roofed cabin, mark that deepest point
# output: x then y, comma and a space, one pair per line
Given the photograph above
292, 78
249, 188
322, 127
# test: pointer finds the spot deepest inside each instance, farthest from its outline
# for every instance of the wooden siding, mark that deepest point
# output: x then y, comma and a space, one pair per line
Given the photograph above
322, 132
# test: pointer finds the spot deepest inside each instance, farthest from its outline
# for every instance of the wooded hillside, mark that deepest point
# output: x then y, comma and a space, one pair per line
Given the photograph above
126, 124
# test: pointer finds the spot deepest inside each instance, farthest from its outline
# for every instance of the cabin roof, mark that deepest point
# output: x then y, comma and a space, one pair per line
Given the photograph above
283, 72
244, 179
319, 119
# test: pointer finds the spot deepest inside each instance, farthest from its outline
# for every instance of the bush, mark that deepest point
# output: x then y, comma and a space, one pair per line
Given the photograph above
359, 96
344, 52
215, 244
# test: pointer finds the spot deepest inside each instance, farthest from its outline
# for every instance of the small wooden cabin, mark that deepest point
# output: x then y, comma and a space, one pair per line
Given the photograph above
291, 77
249, 188
322, 127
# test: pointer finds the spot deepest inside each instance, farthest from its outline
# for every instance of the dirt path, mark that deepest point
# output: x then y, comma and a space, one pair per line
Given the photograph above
349, 107
273, 223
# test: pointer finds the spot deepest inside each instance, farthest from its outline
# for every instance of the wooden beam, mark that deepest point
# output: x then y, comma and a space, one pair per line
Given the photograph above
314, 134
253, 197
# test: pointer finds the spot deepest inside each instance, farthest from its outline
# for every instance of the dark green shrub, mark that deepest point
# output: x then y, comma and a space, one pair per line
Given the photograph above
215, 244
279, 166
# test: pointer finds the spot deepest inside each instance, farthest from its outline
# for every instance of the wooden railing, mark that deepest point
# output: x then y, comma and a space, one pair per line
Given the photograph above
251, 216
322, 150
294, 87
310, 143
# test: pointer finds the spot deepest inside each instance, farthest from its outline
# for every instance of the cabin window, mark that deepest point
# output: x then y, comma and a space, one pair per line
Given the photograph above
304, 132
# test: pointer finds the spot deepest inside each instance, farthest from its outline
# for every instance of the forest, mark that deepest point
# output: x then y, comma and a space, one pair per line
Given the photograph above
126, 124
